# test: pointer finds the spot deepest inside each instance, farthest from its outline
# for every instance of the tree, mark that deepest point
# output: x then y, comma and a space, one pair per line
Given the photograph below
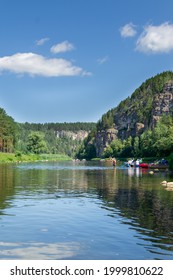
163, 136
36, 143
127, 148
7, 132
136, 147
108, 152
147, 144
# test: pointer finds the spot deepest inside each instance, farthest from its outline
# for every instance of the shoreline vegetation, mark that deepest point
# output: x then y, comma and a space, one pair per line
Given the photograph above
18, 157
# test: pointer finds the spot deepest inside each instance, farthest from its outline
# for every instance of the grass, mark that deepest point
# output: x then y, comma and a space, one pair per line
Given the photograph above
18, 157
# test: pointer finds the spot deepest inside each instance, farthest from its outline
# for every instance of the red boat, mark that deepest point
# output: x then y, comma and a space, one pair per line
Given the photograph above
144, 165
153, 165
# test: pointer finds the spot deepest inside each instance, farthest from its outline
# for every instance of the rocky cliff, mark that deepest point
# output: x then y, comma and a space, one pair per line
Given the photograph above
78, 135
137, 113
162, 103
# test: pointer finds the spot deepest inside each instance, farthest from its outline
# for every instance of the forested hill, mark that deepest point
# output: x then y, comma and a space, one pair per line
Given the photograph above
123, 130
56, 138
149, 100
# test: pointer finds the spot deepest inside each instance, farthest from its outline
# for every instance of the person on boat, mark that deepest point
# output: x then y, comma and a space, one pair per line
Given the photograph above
164, 161
137, 163
131, 162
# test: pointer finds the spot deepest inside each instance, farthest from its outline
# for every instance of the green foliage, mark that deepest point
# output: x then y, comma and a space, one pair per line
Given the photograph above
90, 152
8, 132
106, 121
108, 152
127, 150
147, 147
36, 143
87, 126
19, 157
63, 144
67, 146
114, 149
87, 148
163, 136
157, 142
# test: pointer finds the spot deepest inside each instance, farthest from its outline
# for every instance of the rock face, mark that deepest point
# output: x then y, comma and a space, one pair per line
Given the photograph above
136, 114
162, 103
103, 139
78, 135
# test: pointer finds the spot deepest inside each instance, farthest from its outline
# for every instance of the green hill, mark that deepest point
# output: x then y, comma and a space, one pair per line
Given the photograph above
121, 130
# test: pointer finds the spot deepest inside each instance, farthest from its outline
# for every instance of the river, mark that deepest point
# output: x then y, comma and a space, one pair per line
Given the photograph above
84, 211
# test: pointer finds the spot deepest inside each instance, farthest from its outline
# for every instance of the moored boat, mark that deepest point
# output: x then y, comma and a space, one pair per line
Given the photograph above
158, 166
144, 165
153, 166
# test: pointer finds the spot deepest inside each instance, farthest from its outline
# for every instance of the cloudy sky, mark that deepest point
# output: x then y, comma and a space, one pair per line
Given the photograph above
72, 60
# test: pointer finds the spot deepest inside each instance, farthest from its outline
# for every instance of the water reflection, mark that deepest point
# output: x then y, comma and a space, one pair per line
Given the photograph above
37, 251
146, 205
135, 171
128, 205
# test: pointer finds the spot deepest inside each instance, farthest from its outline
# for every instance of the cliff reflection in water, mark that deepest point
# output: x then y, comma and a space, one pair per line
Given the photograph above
142, 203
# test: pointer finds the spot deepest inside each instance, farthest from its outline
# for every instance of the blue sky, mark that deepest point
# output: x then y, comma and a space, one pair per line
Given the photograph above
73, 60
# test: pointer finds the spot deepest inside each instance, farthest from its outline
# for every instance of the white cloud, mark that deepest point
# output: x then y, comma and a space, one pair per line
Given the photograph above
34, 64
62, 47
156, 39
102, 60
128, 30
42, 41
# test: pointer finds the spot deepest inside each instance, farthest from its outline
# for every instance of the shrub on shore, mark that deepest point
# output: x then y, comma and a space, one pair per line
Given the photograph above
18, 157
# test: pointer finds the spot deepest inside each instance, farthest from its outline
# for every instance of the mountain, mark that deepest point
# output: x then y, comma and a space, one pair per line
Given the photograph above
136, 114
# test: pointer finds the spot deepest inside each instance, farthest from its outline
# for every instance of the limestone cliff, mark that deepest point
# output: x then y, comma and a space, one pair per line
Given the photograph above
77, 135
162, 103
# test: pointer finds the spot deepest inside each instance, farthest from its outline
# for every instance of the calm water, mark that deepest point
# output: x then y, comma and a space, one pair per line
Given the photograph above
84, 211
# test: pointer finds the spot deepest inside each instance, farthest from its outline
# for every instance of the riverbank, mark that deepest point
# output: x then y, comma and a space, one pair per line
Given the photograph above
18, 157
